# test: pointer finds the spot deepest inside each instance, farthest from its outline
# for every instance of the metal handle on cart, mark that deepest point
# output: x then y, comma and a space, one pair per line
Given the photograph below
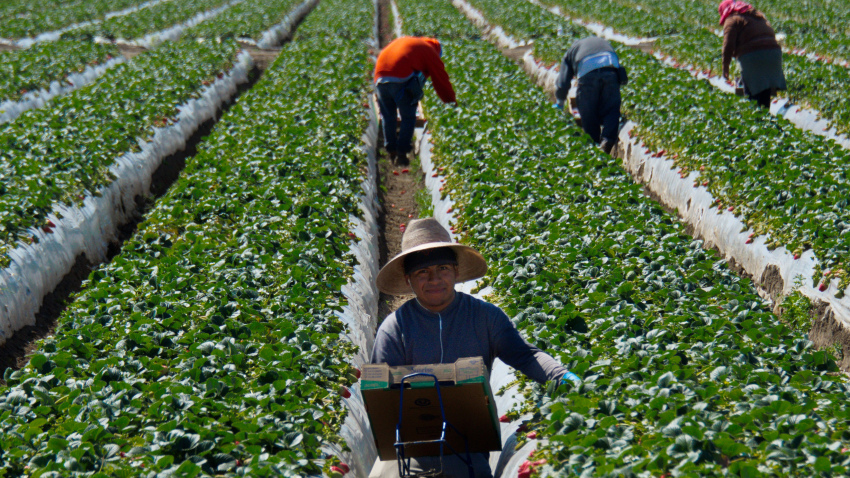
404, 463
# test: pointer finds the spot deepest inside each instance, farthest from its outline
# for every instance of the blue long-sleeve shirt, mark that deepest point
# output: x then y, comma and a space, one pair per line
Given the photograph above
569, 66
468, 327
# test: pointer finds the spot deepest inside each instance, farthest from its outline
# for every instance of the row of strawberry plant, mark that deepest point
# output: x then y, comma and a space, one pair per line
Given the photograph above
817, 84
211, 344
28, 19
35, 68
684, 368
757, 173
63, 153
248, 20
146, 20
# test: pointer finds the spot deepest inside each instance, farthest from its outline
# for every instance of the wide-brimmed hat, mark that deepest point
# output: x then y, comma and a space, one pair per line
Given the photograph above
421, 235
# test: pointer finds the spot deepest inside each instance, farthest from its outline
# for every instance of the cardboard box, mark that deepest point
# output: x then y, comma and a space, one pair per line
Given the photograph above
467, 401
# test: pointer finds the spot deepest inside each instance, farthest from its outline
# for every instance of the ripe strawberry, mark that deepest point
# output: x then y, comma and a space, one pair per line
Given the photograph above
531, 435
449, 210
410, 216
345, 469
395, 173
434, 175
504, 419
405, 170
748, 241
796, 255
357, 372
344, 392
823, 286
352, 235
705, 183
731, 208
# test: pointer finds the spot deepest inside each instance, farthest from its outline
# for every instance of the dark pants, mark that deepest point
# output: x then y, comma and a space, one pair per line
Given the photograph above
399, 99
598, 101
762, 98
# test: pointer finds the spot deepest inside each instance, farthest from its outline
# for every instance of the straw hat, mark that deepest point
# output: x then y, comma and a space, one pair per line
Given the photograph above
420, 235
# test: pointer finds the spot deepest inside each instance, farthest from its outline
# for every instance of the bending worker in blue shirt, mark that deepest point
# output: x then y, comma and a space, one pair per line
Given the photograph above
441, 325
593, 61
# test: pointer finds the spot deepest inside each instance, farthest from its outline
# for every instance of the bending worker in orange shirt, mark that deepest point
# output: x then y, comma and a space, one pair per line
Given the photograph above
400, 74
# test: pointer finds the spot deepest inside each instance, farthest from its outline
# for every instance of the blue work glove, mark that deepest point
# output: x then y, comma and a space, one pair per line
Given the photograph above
570, 377
559, 105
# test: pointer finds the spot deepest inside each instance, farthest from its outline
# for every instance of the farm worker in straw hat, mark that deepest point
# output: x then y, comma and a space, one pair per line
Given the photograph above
592, 60
400, 74
441, 325
748, 36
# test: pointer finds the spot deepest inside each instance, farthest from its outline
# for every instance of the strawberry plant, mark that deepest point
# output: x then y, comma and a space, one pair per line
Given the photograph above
146, 20
33, 69
244, 20
212, 343
60, 154
29, 18
685, 371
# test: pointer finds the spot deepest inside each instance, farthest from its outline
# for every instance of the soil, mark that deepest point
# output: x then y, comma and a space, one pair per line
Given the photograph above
7, 47
16, 350
397, 191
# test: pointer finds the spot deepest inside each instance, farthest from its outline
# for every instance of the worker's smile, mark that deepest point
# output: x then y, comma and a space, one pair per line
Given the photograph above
434, 286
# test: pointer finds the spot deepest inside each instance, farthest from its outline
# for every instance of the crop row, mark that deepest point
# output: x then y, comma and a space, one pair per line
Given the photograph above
683, 367
757, 174
814, 83
246, 20
144, 21
28, 19
63, 153
35, 68
211, 344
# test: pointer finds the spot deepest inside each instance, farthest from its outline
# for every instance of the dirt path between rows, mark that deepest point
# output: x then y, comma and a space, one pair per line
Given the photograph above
397, 189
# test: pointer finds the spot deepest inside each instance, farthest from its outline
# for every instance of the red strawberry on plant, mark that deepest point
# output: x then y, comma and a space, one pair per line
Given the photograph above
345, 469
344, 392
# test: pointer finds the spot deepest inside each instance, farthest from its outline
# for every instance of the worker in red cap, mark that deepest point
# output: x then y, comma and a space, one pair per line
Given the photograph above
400, 74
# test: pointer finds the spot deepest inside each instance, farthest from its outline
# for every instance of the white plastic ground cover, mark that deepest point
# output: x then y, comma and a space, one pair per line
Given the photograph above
152, 40
36, 269
55, 35
9, 110
361, 313
276, 34
695, 206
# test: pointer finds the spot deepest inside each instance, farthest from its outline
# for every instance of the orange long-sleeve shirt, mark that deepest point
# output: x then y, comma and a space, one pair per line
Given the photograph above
405, 56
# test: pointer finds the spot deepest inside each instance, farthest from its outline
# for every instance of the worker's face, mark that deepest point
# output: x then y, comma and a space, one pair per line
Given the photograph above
434, 286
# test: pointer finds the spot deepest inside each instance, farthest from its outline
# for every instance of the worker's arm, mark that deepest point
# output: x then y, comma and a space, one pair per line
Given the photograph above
731, 30
440, 78
512, 349
389, 347
565, 77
